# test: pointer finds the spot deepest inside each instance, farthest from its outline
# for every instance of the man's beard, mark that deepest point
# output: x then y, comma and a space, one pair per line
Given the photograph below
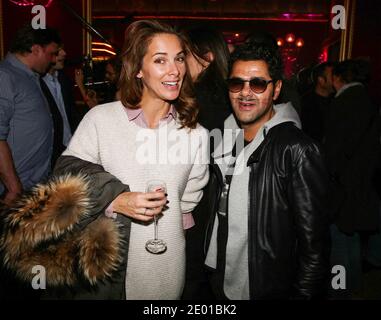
256, 104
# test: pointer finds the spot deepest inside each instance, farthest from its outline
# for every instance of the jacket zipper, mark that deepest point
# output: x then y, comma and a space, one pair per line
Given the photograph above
252, 233
209, 228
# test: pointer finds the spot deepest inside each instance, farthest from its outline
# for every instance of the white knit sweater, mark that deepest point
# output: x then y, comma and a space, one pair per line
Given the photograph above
135, 155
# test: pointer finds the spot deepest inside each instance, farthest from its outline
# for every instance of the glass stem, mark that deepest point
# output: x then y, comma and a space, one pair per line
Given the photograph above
155, 221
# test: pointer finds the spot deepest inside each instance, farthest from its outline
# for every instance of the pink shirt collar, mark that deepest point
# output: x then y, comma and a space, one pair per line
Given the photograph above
137, 116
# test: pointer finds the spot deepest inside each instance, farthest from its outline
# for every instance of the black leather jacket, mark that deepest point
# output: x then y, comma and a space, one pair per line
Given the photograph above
288, 224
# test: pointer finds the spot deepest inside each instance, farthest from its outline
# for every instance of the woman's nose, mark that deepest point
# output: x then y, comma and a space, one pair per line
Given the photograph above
174, 69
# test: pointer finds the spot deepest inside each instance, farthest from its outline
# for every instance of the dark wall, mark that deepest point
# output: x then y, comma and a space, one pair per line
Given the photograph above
367, 41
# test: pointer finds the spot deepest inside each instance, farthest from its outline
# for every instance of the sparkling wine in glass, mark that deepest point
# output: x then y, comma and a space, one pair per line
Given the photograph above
156, 245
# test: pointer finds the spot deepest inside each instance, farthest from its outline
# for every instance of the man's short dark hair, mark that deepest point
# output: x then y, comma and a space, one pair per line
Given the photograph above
26, 37
353, 71
252, 51
319, 71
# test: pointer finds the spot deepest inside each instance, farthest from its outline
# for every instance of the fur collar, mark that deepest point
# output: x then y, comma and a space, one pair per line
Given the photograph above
44, 228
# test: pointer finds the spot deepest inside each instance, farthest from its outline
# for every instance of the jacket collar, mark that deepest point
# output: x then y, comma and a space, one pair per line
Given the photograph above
256, 155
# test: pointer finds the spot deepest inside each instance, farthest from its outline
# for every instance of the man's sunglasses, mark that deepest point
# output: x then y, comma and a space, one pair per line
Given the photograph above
257, 85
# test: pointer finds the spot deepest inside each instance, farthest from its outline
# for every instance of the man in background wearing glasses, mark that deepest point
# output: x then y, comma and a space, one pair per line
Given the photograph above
268, 236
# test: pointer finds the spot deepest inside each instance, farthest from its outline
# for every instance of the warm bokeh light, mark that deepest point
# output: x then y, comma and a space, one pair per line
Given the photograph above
290, 47
102, 44
104, 50
290, 38
300, 42
279, 42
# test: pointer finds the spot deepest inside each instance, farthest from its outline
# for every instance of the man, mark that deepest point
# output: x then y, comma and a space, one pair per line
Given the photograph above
25, 120
61, 103
315, 103
352, 148
268, 237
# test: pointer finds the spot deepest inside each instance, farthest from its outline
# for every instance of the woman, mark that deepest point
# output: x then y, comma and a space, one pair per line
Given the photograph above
208, 62
153, 76
140, 138
208, 66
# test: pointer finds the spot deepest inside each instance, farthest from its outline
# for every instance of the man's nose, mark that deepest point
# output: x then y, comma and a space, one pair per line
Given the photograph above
246, 91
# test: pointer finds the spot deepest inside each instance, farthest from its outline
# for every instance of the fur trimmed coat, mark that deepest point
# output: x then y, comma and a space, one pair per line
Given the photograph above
61, 227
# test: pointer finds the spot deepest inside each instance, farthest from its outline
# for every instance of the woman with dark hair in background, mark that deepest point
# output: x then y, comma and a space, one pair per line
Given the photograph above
208, 60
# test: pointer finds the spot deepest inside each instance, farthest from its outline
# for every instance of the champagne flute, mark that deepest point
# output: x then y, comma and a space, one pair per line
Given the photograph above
156, 245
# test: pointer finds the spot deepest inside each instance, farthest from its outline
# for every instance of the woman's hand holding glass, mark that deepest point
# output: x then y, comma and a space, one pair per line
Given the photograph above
142, 206
156, 245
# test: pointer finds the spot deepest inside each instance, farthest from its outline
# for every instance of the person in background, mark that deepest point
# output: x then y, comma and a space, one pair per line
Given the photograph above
26, 132
208, 63
111, 90
89, 96
315, 103
26, 129
112, 75
351, 145
304, 80
208, 60
61, 104
231, 47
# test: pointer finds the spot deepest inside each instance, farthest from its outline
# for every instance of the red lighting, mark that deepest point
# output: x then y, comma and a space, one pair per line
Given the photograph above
174, 17
290, 48
300, 42
288, 15
290, 38
324, 55
26, 3
236, 35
